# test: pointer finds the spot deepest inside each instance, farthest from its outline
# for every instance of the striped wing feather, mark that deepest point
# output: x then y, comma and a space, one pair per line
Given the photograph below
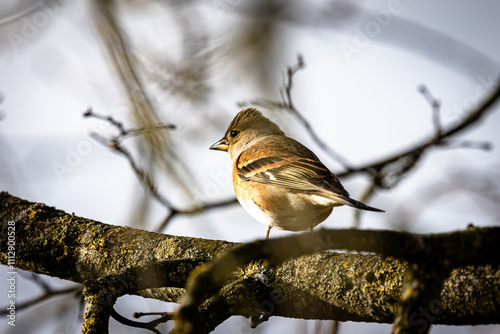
302, 174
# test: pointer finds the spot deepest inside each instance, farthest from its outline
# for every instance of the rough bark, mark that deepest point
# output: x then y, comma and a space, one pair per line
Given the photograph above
111, 261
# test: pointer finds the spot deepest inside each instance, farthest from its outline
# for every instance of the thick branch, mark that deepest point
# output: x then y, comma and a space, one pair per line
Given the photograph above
356, 287
435, 255
52, 242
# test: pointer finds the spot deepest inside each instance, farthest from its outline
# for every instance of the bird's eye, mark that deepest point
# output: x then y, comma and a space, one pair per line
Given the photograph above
234, 133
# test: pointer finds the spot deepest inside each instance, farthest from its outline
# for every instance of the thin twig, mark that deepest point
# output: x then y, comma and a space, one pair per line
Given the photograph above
436, 121
138, 315
127, 322
287, 103
390, 170
291, 71
436, 109
44, 297
126, 133
472, 118
114, 142
290, 106
474, 144
196, 210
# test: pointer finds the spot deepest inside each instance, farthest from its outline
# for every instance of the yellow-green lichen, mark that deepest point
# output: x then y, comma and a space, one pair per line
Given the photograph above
128, 247
34, 211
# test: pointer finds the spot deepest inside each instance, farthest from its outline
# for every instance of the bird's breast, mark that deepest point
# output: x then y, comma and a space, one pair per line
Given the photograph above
280, 207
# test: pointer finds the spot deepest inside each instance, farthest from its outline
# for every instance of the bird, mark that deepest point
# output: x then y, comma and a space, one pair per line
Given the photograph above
279, 181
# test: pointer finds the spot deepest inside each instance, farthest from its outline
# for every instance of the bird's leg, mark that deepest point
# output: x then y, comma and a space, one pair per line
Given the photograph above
268, 230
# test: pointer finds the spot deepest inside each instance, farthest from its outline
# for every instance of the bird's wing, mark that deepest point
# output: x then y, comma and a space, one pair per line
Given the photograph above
298, 168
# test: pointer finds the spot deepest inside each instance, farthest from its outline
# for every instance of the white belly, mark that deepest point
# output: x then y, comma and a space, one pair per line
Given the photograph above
296, 212
249, 205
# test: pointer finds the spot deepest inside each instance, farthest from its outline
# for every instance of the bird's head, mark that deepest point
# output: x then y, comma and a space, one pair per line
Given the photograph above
247, 127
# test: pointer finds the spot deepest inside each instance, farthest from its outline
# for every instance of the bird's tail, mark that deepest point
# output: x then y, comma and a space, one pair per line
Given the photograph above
346, 200
361, 206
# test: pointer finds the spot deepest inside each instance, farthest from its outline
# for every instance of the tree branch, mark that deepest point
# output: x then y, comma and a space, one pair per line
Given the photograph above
158, 149
471, 247
115, 143
111, 261
288, 105
398, 163
471, 119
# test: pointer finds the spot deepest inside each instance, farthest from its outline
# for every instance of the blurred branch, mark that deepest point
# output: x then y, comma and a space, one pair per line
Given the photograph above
187, 77
115, 143
47, 293
401, 32
388, 171
174, 212
158, 149
409, 157
436, 106
288, 104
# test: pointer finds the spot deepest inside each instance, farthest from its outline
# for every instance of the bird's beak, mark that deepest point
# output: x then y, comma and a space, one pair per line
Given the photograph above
221, 145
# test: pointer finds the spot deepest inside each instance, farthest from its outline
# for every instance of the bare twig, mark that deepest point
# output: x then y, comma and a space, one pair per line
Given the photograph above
145, 314
288, 104
408, 158
436, 121
192, 211
291, 71
388, 172
125, 133
436, 109
115, 143
150, 325
157, 149
44, 297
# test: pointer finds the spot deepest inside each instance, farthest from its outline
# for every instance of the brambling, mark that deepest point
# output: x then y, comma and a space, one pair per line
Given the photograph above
279, 181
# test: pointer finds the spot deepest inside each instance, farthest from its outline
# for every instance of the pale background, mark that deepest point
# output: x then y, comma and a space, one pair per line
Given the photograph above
365, 105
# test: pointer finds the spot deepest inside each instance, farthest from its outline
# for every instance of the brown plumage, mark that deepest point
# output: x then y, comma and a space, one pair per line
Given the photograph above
279, 181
